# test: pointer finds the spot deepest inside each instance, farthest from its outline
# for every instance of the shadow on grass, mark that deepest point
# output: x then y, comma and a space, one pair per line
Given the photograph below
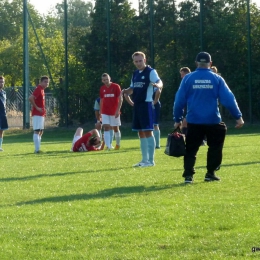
104, 194
63, 153
38, 176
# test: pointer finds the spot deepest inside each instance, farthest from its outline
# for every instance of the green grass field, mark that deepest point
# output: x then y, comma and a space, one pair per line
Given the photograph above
63, 205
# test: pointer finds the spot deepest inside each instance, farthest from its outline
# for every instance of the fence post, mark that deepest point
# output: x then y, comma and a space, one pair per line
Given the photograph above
108, 38
249, 60
151, 32
26, 113
66, 62
201, 24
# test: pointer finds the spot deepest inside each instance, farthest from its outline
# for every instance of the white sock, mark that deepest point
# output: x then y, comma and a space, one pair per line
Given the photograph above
107, 139
36, 140
118, 137
111, 136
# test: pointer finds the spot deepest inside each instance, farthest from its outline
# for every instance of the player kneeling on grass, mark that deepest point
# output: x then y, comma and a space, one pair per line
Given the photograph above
87, 142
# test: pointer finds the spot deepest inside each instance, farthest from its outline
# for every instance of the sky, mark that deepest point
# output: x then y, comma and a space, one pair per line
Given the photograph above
44, 6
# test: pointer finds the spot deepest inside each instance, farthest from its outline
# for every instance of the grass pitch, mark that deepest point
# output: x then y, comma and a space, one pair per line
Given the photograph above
63, 205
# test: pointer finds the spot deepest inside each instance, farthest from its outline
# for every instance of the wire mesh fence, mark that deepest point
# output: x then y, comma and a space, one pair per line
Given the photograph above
15, 106
170, 32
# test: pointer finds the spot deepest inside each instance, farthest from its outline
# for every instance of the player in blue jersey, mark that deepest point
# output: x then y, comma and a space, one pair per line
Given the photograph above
201, 91
144, 79
156, 114
3, 118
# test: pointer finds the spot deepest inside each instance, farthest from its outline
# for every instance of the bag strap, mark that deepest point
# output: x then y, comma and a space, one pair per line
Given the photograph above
177, 130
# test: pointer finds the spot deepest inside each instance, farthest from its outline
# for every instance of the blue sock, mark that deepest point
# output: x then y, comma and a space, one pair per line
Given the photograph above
157, 134
144, 149
151, 148
1, 142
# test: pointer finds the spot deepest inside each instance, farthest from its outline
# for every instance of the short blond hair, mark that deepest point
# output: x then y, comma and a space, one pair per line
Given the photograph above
137, 53
214, 68
105, 75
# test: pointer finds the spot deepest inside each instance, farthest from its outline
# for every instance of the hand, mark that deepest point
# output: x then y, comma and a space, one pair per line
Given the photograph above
39, 109
240, 123
98, 125
122, 92
176, 125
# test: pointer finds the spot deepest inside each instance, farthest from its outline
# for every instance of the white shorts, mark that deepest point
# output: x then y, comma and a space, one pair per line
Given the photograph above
38, 122
110, 120
75, 139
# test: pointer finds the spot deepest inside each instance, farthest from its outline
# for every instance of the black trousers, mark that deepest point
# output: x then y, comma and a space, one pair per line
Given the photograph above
215, 140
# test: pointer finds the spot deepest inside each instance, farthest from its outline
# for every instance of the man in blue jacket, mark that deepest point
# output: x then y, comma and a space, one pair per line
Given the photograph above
201, 91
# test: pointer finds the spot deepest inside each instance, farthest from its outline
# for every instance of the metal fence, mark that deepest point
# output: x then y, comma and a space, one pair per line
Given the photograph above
14, 107
171, 33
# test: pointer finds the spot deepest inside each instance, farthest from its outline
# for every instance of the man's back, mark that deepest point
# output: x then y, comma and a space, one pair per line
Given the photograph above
201, 91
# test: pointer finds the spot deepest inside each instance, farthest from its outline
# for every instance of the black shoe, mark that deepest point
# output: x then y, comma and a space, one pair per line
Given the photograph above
211, 177
188, 179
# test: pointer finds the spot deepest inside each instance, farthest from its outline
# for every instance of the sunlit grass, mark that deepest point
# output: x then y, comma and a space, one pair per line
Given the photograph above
63, 205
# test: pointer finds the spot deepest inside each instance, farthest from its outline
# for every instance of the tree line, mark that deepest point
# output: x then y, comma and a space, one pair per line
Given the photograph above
103, 36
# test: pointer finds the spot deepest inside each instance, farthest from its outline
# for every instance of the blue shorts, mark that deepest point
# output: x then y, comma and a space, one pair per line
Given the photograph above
3, 122
143, 117
156, 113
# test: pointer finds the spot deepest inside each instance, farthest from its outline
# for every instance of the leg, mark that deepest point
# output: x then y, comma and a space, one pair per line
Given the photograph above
149, 150
3, 127
79, 132
215, 138
36, 140
98, 126
194, 138
117, 136
184, 126
107, 128
116, 122
38, 126
111, 131
157, 135
1, 139
143, 146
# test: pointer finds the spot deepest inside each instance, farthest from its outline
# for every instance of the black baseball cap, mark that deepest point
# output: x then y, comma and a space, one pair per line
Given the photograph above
203, 57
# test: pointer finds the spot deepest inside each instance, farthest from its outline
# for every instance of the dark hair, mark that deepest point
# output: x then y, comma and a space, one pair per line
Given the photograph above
1, 77
93, 140
185, 69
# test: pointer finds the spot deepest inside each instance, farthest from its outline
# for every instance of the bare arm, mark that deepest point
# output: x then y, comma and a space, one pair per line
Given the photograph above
158, 84
157, 95
129, 100
101, 105
127, 91
119, 106
97, 115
